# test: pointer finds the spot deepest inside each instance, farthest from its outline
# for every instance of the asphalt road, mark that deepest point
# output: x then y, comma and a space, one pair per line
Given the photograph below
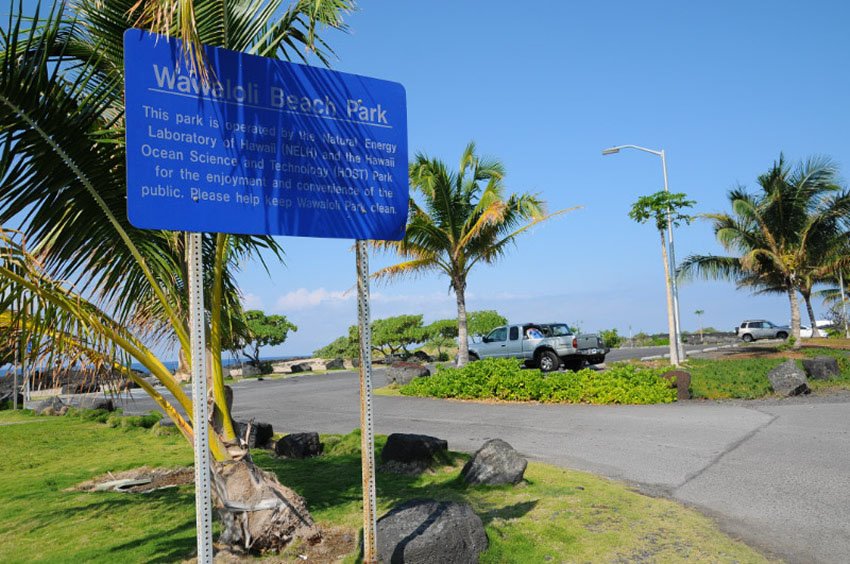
772, 473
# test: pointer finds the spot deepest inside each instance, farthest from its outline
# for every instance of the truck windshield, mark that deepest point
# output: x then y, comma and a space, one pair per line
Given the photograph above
556, 330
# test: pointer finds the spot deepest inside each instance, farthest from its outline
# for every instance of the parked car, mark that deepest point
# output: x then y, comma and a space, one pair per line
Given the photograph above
823, 324
755, 329
543, 345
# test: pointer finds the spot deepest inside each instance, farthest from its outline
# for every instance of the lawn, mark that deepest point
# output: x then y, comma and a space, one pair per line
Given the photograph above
745, 377
556, 515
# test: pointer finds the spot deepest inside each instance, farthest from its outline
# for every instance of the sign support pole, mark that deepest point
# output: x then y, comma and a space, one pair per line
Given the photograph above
15, 371
367, 436
200, 419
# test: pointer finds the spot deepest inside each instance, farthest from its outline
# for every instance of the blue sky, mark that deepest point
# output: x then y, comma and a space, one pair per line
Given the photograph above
721, 86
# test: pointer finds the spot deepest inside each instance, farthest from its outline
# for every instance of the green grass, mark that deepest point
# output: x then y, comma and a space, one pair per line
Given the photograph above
727, 379
41, 457
746, 378
557, 514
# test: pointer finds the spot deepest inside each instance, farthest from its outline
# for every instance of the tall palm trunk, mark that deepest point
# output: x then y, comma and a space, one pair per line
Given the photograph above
671, 323
795, 315
462, 332
807, 297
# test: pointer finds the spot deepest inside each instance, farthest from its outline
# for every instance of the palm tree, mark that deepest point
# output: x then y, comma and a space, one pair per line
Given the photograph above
464, 219
102, 292
699, 313
782, 239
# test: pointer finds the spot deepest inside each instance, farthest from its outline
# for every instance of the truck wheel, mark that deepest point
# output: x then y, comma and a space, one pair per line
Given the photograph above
473, 357
548, 361
782, 335
747, 338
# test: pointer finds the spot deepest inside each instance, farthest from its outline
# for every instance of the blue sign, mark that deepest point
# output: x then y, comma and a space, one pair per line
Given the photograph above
263, 147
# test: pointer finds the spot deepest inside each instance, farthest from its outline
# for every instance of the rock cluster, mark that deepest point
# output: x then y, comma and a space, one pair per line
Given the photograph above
423, 531
299, 445
788, 379
412, 454
821, 367
495, 463
402, 373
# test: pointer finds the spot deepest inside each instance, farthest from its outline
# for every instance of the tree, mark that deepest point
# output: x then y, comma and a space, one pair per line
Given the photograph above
699, 313
442, 334
664, 208
102, 291
782, 238
482, 322
264, 331
392, 335
343, 347
464, 218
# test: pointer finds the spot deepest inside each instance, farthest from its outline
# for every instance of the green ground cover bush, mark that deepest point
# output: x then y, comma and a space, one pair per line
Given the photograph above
734, 378
746, 378
556, 515
505, 379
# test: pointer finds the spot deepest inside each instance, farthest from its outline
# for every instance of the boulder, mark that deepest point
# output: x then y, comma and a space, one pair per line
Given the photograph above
334, 364
495, 463
297, 367
410, 453
50, 406
788, 379
821, 367
299, 445
244, 371
351, 363
422, 356
402, 373
681, 380
103, 403
259, 436
423, 531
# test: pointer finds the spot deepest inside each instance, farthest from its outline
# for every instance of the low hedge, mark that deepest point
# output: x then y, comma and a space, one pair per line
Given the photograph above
505, 379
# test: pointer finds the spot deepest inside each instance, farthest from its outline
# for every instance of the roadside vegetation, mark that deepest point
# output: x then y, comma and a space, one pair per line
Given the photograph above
788, 236
507, 380
745, 376
555, 515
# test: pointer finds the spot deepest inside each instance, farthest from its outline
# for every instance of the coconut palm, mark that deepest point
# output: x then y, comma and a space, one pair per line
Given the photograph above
464, 218
783, 238
102, 293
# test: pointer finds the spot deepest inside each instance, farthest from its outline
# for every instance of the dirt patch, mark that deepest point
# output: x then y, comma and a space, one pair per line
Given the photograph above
138, 480
336, 544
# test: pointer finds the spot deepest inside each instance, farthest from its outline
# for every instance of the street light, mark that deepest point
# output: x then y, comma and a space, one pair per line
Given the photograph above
677, 351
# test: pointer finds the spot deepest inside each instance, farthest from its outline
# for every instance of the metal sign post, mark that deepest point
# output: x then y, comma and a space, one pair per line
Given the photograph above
273, 148
200, 420
367, 435
15, 377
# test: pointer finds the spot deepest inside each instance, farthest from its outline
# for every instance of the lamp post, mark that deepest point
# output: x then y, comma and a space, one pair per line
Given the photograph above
677, 351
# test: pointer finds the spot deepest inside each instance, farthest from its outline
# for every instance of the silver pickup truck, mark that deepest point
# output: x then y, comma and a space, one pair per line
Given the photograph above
541, 345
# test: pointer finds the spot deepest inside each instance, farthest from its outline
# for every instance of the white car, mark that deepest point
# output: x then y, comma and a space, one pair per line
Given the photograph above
823, 325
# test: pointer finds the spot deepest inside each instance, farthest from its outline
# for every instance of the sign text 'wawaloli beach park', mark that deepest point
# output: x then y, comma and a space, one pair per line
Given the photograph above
263, 147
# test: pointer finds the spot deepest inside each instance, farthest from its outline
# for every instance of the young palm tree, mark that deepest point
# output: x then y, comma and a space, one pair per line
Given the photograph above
103, 292
782, 238
464, 219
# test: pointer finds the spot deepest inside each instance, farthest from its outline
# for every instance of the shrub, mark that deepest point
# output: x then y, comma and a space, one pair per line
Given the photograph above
611, 337
505, 379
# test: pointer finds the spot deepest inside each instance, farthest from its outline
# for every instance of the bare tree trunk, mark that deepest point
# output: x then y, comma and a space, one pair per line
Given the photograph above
795, 315
807, 297
462, 333
258, 514
671, 322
